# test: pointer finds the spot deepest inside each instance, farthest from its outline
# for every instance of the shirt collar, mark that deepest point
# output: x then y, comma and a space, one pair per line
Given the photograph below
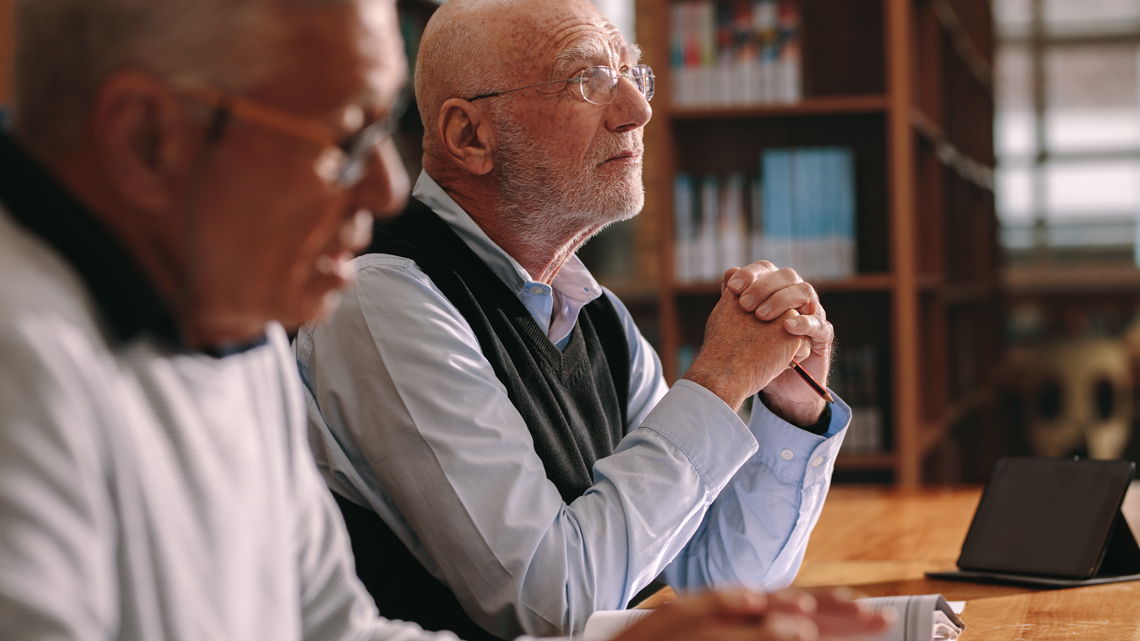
40, 203
573, 281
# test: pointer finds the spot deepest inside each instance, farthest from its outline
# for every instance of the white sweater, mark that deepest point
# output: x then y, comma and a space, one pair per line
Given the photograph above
150, 494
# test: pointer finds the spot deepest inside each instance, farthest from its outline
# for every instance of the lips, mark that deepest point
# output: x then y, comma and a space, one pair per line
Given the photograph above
623, 155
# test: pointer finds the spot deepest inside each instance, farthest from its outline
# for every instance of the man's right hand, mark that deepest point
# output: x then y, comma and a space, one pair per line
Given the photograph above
742, 354
742, 615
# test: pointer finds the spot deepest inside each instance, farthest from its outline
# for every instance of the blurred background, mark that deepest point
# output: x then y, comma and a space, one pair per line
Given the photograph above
960, 179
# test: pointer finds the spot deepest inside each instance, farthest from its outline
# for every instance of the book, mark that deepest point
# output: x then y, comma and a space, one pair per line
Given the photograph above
808, 211
735, 52
732, 233
776, 187
927, 617
684, 228
707, 231
756, 221
854, 377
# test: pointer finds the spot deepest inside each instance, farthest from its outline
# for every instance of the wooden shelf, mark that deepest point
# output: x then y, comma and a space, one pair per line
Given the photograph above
924, 198
1076, 278
806, 107
861, 283
968, 293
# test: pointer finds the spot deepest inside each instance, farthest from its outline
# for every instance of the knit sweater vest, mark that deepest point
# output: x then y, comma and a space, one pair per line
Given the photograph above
573, 402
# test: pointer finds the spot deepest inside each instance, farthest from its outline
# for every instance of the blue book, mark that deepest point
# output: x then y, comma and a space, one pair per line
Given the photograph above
776, 190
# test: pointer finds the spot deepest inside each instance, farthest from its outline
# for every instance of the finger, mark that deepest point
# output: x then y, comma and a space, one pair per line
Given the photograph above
687, 618
860, 623
728, 274
839, 614
775, 626
734, 602
793, 601
778, 292
819, 331
805, 351
765, 286
779, 626
745, 276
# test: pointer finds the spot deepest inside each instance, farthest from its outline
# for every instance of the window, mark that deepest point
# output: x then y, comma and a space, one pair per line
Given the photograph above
1067, 128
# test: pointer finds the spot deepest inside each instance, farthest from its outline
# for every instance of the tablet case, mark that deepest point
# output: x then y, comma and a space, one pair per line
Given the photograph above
1051, 523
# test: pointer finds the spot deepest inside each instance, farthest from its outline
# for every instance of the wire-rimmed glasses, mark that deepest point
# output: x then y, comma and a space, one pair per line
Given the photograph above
598, 84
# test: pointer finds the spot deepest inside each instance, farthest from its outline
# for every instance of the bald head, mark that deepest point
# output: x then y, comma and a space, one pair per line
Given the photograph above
474, 47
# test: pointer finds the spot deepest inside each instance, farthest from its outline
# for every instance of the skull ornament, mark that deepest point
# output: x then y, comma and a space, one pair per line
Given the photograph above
1080, 398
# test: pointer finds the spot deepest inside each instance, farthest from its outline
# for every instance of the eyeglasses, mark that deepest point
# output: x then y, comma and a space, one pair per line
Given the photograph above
598, 84
346, 158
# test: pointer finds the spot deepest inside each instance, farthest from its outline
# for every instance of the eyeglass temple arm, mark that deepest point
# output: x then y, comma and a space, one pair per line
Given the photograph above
499, 93
252, 113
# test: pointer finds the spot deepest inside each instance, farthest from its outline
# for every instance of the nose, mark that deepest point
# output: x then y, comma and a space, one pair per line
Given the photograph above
384, 188
629, 109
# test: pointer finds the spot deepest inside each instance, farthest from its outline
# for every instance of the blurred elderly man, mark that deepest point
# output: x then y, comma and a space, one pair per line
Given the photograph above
185, 176
495, 427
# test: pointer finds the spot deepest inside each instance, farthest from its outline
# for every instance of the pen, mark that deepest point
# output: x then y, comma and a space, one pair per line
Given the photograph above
819, 389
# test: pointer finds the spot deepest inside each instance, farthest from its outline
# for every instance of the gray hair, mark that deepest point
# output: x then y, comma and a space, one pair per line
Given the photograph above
65, 49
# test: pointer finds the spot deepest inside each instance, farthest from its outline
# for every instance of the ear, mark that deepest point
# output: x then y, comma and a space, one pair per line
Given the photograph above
466, 134
142, 140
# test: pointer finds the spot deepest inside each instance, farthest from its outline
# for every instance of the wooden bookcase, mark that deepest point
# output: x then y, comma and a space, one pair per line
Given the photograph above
7, 41
907, 84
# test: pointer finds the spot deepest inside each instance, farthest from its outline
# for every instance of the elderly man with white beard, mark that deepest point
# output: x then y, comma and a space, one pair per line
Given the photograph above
496, 430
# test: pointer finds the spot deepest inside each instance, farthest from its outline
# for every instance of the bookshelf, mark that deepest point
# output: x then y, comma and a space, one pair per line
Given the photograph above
7, 42
907, 85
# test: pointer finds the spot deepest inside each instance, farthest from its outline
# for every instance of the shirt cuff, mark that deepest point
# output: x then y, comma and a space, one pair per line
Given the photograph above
705, 429
794, 454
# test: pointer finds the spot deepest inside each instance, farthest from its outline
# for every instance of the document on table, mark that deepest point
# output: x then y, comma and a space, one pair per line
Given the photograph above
927, 617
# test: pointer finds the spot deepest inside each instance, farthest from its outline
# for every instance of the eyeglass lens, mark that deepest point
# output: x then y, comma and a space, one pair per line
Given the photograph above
599, 84
358, 147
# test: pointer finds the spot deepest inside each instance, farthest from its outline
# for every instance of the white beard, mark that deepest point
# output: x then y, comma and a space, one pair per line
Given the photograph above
552, 203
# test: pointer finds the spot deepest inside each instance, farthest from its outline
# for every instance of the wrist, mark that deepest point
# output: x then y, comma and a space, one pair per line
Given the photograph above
715, 384
802, 414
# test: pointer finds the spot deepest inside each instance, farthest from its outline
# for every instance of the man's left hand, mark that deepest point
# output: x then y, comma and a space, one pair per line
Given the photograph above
768, 292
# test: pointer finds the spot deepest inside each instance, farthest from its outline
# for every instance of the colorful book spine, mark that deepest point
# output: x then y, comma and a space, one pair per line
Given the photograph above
756, 249
684, 229
735, 52
732, 234
798, 213
708, 232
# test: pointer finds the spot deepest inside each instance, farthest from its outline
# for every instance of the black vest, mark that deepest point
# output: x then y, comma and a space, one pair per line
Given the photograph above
573, 402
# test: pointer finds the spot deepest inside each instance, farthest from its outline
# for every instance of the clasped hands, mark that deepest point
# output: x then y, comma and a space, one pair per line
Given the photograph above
766, 316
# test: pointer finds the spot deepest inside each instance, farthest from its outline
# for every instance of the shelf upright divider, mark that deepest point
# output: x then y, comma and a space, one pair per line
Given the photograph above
902, 200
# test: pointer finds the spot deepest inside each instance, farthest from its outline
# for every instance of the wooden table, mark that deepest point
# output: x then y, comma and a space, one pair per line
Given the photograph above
881, 541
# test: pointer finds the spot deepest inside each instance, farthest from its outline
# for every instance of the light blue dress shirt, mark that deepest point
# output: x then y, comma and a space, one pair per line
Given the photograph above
407, 418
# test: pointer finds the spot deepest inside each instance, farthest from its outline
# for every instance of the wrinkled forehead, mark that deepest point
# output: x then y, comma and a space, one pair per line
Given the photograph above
557, 44
338, 56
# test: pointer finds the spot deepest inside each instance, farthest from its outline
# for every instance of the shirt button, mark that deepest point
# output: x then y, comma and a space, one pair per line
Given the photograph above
817, 462
787, 455
536, 290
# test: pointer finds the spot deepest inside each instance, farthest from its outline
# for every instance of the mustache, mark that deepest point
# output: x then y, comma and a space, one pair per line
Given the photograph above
613, 148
